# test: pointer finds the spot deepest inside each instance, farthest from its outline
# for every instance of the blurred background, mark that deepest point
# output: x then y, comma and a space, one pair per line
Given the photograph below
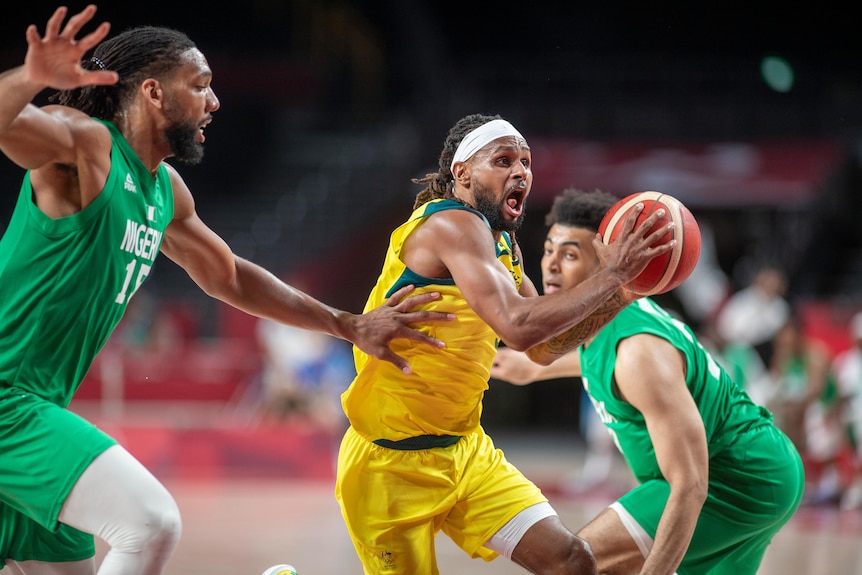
749, 114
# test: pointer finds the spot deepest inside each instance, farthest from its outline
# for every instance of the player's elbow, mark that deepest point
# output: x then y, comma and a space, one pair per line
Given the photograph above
693, 487
520, 332
699, 489
520, 340
216, 283
539, 355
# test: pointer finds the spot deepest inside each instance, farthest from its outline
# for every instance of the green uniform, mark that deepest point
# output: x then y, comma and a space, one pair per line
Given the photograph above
64, 285
755, 473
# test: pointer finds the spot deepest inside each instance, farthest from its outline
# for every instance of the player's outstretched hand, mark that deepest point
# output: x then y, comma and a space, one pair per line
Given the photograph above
54, 60
629, 254
514, 367
375, 329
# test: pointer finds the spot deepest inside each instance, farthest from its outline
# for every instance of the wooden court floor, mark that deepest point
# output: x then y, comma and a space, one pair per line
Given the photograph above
241, 527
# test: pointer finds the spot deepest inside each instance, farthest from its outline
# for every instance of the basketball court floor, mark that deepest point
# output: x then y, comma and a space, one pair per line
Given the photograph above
242, 526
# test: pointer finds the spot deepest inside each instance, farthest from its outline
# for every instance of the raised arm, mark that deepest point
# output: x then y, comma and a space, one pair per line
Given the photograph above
67, 152
32, 137
210, 262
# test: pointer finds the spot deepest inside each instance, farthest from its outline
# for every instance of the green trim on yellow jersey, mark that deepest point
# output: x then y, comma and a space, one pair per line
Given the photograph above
443, 395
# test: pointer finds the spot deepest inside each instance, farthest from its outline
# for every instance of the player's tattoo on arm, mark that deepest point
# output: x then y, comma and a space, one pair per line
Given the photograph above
562, 344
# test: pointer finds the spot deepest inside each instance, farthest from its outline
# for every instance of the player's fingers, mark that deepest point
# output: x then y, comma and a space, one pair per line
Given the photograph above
399, 294
76, 22
52, 29
649, 222
420, 337
601, 249
631, 218
397, 360
653, 238
101, 78
651, 219
94, 37
416, 300
426, 316
32, 34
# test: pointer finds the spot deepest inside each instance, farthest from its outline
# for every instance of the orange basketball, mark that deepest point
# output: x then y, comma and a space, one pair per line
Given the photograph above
669, 269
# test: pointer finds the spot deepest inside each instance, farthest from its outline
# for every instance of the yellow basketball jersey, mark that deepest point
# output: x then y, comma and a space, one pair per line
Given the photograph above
443, 395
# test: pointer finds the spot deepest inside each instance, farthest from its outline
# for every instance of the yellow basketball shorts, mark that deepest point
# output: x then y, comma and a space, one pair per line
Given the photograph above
394, 502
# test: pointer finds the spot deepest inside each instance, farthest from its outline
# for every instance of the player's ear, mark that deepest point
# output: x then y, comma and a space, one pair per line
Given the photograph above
461, 173
153, 91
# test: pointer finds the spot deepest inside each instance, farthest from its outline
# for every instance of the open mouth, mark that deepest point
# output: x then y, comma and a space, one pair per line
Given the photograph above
515, 201
203, 125
551, 287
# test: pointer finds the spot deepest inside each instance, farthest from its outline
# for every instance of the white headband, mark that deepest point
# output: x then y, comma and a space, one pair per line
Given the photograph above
481, 136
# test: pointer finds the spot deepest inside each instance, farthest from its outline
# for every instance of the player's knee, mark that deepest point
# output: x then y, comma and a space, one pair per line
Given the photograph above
156, 529
581, 557
549, 548
163, 528
571, 556
576, 559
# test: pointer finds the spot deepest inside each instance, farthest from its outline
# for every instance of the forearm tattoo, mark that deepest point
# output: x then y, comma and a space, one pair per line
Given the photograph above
569, 340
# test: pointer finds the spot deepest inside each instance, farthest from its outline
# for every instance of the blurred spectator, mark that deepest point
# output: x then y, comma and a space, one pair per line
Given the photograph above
601, 458
847, 369
707, 287
804, 400
150, 326
800, 372
303, 374
754, 314
740, 360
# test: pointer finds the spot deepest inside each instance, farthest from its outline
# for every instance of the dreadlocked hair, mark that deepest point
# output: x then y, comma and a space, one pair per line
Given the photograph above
578, 209
441, 183
135, 54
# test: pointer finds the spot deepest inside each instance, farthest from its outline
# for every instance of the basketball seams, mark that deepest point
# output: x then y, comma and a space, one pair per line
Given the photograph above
674, 210
656, 198
671, 265
611, 229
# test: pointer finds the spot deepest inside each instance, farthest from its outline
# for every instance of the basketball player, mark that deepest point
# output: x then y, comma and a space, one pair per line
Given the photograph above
97, 205
415, 459
717, 479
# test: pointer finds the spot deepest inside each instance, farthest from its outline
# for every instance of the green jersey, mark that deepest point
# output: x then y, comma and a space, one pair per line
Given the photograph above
756, 476
725, 408
65, 282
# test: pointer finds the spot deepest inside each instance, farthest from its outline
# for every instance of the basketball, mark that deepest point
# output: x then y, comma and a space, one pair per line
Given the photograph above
280, 570
668, 270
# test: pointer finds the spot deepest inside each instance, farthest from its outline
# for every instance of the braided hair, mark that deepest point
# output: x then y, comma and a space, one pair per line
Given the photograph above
578, 209
135, 54
441, 183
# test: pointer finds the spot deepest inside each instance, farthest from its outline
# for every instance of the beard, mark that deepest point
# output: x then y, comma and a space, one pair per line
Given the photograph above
182, 138
491, 208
